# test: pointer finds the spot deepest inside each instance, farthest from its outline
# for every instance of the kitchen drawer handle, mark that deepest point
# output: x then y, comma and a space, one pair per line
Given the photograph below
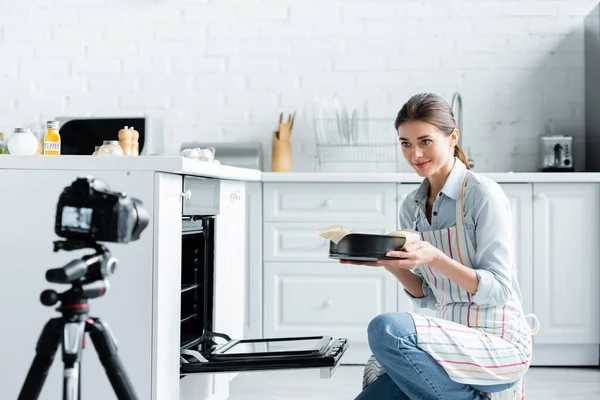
328, 303
542, 196
328, 202
187, 194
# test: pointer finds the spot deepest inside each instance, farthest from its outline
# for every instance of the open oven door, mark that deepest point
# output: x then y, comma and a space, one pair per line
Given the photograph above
321, 352
203, 350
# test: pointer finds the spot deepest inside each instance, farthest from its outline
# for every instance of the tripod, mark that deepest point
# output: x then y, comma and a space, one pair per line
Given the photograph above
87, 278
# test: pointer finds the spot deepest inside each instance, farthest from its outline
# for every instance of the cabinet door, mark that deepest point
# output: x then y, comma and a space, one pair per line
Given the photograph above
566, 262
521, 201
298, 241
326, 299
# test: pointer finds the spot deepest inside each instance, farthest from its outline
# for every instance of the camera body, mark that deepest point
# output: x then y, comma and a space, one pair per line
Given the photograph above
89, 211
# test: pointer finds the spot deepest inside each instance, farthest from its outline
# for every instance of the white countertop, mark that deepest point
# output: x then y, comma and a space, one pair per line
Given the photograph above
186, 166
500, 177
176, 165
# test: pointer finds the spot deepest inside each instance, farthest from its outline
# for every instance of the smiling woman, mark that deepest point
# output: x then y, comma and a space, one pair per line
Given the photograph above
419, 123
479, 342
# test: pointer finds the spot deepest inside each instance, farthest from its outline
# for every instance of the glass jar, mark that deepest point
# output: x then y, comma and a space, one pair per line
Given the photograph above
23, 142
110, 148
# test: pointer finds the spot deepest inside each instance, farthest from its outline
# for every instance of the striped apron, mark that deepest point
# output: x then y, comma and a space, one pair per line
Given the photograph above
476, 345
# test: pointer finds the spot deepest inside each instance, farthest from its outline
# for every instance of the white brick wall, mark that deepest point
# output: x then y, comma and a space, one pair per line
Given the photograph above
222, 70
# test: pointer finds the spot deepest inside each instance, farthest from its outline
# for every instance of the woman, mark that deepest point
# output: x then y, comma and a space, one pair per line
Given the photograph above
463, 267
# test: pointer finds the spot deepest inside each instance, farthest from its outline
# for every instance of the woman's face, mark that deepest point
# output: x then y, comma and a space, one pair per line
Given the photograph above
426, 148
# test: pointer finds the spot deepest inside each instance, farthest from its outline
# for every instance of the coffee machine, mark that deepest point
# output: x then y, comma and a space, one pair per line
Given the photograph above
557, 154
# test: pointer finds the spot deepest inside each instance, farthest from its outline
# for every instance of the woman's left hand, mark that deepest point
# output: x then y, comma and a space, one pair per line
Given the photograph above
412, 256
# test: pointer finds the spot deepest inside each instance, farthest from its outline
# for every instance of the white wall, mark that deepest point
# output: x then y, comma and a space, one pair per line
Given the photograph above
222, 70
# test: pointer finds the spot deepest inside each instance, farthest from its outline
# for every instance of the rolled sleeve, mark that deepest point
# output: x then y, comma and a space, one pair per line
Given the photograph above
427, 301
494, 261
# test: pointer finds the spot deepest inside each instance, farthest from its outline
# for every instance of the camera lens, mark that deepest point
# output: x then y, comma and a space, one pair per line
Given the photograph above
141, 219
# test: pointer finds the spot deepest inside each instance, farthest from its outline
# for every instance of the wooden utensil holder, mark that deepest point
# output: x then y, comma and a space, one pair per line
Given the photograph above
281, 160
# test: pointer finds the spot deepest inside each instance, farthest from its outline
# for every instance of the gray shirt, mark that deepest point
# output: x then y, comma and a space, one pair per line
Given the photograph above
489, 226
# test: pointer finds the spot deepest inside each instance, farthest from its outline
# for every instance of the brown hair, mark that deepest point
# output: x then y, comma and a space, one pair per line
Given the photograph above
433, 109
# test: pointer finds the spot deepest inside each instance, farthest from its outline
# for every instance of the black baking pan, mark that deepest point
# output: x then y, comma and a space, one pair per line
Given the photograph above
365, 247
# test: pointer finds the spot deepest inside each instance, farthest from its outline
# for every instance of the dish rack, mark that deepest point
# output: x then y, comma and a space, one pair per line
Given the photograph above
356, 145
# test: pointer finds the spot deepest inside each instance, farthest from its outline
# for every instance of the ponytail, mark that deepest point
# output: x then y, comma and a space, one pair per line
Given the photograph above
461, 156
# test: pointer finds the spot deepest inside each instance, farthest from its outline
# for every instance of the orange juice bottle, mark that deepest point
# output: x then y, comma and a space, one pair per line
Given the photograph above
52, 139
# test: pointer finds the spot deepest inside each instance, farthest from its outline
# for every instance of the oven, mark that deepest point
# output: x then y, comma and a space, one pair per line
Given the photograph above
202, 349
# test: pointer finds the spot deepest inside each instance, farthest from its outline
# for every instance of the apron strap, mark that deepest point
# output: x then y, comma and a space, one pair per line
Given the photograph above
460, 205
414, 227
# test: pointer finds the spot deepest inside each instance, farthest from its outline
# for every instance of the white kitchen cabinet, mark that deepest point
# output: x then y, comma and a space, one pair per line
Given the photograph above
305, 292
556, 229
327, 298
284, 241
143, 303
335, 202
566, 270
520, 196
28, 212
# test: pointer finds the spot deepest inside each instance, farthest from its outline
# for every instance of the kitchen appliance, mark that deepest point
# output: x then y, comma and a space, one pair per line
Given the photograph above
80, 136
204, 350
242, 155
557, 153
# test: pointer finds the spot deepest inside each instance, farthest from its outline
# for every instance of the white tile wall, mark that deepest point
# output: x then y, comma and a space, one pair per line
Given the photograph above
222, 70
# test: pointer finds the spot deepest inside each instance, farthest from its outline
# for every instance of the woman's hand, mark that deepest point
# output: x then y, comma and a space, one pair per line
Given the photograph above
412, 256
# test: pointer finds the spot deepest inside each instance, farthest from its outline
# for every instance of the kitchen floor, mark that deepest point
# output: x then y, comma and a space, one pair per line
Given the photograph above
542, 384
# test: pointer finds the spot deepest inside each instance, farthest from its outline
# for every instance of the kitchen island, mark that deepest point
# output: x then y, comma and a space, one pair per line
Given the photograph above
143, 303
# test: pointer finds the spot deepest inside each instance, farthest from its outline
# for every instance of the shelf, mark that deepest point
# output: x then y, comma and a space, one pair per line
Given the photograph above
187, 287
189, 317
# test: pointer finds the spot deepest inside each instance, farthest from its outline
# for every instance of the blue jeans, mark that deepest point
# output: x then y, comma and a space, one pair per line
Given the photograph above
412, 373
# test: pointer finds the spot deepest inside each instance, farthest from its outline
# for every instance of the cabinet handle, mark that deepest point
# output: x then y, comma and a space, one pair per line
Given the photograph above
328, 303
541, 196
187, 194
234, 197
328, 202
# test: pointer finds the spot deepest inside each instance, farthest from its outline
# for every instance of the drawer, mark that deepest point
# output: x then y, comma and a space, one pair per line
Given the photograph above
298, 241
337, 202
324, 298
201, 196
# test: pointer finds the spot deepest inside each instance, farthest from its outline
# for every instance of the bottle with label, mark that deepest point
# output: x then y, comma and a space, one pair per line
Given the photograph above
3, 146
52, 139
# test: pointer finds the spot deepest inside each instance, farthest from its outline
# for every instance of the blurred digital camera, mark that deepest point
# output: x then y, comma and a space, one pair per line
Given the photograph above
89, 211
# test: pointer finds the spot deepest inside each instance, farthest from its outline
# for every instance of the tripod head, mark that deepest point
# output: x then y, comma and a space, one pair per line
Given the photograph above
87, 275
